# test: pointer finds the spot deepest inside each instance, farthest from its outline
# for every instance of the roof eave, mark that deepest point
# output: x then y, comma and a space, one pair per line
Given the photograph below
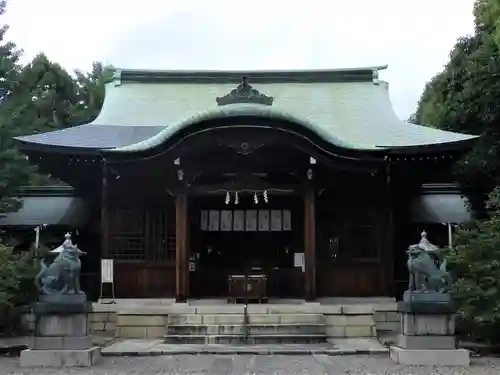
457, 146
28, 147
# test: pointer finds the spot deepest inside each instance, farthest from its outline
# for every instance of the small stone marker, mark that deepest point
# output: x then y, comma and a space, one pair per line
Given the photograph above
62, 332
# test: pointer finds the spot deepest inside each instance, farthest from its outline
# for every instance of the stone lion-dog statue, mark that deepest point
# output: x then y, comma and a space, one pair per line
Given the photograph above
62, 276
426, 273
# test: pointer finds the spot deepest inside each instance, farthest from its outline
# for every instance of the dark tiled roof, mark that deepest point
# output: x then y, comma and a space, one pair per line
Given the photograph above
91, 136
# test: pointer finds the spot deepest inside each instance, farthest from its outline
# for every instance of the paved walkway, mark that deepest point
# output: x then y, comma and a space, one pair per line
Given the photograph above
318, 364
129, 347
157, 347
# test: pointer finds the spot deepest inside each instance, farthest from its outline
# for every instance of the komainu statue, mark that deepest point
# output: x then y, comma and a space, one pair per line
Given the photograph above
427, 273
62, 276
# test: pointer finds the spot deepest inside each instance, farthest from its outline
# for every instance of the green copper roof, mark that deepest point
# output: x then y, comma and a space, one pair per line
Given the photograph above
348, 108
232, 111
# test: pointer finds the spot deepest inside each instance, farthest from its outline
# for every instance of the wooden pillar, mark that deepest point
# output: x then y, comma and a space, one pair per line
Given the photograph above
390, 282
310, 245
181, 248
105, 250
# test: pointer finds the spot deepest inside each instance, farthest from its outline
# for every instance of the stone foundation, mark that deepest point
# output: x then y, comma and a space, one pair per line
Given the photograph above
60, 358
60, 338
102, 319
428, 336
136, 320
427, 357
147, 322
387, 318
349, 321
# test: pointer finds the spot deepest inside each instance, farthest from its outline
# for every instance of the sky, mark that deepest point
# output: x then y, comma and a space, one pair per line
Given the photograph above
413, 37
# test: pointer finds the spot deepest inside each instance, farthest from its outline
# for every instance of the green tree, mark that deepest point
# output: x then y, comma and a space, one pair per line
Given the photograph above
465, 97
487, 17
49, 97
476, 263
43, 97
14, 170
16, 282
91, 88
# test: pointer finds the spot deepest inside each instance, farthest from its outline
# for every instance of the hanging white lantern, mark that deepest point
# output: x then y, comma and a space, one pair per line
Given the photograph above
265, 196
228, 198
236, 198
255, 198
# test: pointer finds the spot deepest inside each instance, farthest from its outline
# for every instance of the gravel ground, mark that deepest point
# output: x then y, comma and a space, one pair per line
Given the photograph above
258, 365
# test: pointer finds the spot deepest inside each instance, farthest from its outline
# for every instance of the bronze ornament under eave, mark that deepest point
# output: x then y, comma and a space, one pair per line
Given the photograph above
245, 93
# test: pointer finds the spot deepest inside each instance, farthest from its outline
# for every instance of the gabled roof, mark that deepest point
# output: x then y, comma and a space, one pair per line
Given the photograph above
350, 106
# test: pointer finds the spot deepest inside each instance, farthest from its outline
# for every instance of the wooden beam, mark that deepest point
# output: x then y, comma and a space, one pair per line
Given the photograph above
310, 245
181, 248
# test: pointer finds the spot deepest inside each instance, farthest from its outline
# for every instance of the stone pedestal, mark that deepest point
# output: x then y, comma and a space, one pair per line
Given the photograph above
62, 337
428, 336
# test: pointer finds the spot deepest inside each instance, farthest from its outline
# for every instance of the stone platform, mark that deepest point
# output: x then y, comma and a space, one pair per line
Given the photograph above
61, 338
429, 357
147, 318
60, 358
428, 334
146, 348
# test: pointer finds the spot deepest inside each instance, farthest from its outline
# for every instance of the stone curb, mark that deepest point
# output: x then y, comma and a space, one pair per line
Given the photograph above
264, 351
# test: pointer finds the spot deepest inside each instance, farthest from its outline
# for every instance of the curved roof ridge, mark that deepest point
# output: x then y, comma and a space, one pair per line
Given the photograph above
234, 110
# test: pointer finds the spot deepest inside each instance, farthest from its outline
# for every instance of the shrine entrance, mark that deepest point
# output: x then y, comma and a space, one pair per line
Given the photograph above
253, 196
253, 234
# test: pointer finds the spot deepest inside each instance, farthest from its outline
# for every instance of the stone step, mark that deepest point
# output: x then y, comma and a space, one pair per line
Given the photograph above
253, 339
216, 329
254, 309
197, 319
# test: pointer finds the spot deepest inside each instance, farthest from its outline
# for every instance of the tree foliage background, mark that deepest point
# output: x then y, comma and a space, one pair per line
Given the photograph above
465, 97
42, 97
476, 263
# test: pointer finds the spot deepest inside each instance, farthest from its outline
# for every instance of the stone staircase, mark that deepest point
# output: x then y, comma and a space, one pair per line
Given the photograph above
266, 324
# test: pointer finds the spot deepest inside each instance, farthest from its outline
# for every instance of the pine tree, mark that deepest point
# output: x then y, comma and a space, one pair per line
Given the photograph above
42, 97
91, 87
14, 170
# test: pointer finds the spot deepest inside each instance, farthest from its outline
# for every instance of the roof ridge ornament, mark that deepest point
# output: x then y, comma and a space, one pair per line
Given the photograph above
117, 77
245, 93
375, 77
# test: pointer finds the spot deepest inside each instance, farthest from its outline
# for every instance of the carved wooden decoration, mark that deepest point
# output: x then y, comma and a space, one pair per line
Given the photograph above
245, 148
245, 93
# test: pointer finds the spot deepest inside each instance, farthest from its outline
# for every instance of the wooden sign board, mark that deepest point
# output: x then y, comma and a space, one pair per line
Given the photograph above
107, 274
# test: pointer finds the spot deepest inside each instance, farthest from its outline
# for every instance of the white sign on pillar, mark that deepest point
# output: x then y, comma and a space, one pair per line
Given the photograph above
107, 275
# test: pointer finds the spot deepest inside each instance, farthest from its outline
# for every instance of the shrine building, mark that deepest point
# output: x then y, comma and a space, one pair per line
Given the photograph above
303, 181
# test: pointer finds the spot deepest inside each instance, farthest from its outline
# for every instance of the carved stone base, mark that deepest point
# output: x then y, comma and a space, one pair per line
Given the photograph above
61, 339
61, 304
415, 324
428, 334
427, 342
426, 297
62, 342
71, 325
427, 303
